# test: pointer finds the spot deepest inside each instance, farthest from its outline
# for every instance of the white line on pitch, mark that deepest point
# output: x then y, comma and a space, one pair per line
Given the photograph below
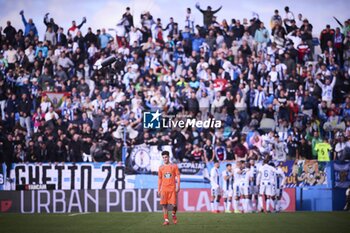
71, 215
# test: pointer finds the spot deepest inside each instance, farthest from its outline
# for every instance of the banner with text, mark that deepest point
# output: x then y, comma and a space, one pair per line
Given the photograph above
65, 176
127, 200
341, 174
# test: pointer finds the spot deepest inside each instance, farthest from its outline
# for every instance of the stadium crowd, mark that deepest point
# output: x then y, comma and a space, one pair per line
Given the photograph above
269, 83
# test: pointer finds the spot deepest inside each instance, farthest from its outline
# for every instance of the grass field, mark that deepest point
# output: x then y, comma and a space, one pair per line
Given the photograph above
300, 222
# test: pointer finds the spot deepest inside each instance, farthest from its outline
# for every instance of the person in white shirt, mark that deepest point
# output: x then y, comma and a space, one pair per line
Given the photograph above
51, 115
227, 183
11, 56
295, 37
279, 185
274, 74
327, 90
266, 179
215, 179
45, 104
289, 16
134, 35
92, 50
280, 149
189, 21
237, 176
30, 54
218, 102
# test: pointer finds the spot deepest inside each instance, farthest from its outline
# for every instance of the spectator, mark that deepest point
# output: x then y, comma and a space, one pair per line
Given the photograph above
10, 33
28, 26
50, 36
207, 14
72, 31
50, 23
235, 73
323, 150
104, 39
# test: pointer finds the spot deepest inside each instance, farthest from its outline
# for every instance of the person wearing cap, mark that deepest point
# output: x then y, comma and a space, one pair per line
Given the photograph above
207, 14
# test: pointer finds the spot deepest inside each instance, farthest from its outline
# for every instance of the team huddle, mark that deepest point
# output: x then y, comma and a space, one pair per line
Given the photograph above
245, 183
248, 185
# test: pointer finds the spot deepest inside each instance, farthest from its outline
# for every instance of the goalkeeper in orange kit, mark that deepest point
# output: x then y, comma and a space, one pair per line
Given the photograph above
168, 186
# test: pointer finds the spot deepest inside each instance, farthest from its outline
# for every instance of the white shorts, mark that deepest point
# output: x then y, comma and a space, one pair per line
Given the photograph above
267, 189
227, 193
245, 189
215, 192
236, 190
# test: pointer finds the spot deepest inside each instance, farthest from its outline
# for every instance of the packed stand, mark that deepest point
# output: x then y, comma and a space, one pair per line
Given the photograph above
275, 93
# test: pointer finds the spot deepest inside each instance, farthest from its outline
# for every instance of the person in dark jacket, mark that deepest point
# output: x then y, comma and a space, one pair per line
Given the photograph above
76, 149
61, 38
50, 23
10, 33
327, 34
6, 142
60, 152
33, 152
304, 150
193, 104
90, 38
24, 107
208, 14
128, 16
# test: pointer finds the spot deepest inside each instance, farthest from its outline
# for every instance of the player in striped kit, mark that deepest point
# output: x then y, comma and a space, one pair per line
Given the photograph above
215, 182
266, 180
253, 173
280, 180
237, 176
245, 188
227, 184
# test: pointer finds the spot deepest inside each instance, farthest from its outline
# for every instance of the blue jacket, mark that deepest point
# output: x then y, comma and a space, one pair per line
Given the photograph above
29, 27
43, 49
262, 35
196, 43
104, 39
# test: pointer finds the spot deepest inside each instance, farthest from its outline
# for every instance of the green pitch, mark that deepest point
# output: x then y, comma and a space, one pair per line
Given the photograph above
300, 222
